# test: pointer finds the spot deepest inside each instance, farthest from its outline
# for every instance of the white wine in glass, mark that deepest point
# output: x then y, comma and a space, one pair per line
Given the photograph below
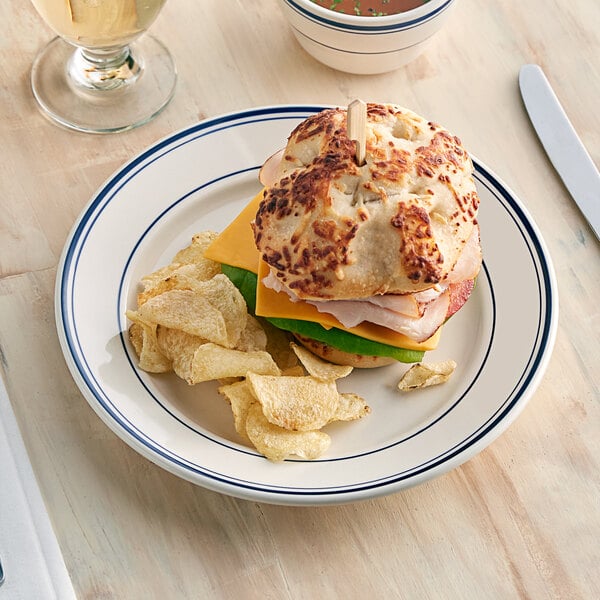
101, 74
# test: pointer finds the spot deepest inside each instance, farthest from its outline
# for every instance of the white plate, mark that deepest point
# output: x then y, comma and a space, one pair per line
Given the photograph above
199, 179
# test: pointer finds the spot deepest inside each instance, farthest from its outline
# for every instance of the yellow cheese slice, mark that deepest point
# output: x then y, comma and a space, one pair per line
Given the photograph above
235, 246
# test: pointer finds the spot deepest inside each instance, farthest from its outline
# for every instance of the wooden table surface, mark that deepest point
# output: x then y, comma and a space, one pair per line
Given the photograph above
519, 520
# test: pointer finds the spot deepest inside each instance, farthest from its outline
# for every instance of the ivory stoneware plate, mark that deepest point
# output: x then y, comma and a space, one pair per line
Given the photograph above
199, 179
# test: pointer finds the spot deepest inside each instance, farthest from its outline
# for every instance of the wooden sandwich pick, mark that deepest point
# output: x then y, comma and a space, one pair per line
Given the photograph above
357, 128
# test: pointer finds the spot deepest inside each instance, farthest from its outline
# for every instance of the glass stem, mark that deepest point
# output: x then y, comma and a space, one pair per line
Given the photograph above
103, 69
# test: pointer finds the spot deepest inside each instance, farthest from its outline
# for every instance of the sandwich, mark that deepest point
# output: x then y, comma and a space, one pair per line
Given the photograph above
362, 263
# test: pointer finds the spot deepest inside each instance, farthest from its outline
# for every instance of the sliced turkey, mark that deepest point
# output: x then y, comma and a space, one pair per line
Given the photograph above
268, 173
469, 262
400, 313
351, 312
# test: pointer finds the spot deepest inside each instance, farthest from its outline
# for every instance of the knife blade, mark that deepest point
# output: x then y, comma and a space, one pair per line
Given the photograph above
565, 150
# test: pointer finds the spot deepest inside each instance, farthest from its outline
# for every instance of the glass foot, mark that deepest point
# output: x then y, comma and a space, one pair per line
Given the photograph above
103, 94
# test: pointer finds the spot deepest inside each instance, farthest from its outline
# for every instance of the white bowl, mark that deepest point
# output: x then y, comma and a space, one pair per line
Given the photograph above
364, 45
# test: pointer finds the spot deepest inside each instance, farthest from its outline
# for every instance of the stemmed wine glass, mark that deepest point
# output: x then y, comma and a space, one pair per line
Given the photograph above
101, 74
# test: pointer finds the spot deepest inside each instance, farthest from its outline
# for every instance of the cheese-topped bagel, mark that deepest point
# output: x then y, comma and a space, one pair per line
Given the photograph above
332, 229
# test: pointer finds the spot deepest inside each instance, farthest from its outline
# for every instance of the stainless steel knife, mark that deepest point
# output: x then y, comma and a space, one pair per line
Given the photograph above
564, 148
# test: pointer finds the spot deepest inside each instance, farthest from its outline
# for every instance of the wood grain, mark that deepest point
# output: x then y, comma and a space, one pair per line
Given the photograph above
520, 520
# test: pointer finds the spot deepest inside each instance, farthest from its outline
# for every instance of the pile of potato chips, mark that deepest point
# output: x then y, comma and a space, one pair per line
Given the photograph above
192, 320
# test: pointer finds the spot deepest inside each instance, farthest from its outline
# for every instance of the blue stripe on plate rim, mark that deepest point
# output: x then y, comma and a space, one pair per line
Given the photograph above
539, 353
370, 29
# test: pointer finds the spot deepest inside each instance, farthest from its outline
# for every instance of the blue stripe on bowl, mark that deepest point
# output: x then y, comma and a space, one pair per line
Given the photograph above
356, 52
371, 28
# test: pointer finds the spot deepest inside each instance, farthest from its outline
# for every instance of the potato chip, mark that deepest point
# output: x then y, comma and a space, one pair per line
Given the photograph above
424, 375
176, 277
240, 398
277, 443
136, 337
188, 311
158, 282
151, 359
212, 309
229, 380
215, 362
160, 274
227, 299
278, 345
187, 267
295, 371
180, 348
174, 342
253, 336
155, 277
295, 403
194, 253
319, 368
350, 407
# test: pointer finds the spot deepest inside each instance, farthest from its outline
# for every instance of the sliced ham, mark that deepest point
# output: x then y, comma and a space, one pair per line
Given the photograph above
459, 294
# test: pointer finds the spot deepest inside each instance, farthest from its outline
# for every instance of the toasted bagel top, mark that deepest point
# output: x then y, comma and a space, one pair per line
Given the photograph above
330, 228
